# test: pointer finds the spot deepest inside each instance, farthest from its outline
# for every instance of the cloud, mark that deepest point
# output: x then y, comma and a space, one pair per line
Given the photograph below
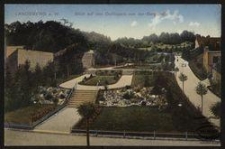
194, 24
175, 17
134, 23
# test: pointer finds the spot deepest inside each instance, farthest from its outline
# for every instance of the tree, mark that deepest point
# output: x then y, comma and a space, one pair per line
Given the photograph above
87, 110
147, 81
183, 78
216, 109
38, 75
201, 90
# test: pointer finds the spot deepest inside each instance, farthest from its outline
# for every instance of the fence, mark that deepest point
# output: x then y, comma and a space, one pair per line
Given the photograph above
34, 124
142, 135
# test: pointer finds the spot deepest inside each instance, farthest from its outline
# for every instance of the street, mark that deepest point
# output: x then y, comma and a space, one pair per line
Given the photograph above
189, 89
16, 138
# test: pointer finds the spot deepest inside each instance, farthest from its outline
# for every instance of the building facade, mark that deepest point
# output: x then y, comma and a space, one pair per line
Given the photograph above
17, 56
88, 59
211, 55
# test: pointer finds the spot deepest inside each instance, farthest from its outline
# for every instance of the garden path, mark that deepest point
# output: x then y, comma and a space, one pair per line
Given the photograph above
123, 81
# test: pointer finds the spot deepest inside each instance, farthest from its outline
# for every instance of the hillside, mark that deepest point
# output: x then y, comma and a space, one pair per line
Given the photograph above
50, 36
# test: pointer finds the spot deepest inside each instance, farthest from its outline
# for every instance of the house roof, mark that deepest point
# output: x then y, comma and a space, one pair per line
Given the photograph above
10, 49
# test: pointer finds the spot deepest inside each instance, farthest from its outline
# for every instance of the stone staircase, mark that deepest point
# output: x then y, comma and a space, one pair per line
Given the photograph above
82, 96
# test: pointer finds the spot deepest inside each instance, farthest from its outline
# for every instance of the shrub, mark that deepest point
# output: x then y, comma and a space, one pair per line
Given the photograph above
143, 103
101, 98
216, 109
62, 96
128, 95
48, 96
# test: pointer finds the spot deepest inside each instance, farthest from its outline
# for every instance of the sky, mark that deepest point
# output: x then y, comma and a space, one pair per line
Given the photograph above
117, 21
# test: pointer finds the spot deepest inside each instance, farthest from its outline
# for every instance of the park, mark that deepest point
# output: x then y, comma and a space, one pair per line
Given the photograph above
124, 80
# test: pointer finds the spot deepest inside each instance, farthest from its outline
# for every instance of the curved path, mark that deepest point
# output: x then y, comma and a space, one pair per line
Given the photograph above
189, 89
122, 82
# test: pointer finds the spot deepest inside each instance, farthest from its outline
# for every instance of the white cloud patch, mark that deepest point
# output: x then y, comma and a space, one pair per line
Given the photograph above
133, 24
194, 24
175, 17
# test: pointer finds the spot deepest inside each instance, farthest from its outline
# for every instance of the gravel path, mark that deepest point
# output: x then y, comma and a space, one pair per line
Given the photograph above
189, 88
122, 82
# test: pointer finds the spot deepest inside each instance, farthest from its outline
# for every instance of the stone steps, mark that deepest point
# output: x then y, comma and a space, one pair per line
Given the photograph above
82, 96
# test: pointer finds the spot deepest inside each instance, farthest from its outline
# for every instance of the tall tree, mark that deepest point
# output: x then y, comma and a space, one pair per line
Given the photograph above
183, 78
201, 90
86, 110
38, 75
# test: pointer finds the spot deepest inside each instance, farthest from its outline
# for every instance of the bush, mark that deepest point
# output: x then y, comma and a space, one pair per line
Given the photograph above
62, 96
143, 103
128, 95
48, 96
216, 109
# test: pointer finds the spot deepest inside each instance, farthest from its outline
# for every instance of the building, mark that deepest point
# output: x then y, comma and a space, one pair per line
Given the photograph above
210, 59
16, 56
211, 55
88, 59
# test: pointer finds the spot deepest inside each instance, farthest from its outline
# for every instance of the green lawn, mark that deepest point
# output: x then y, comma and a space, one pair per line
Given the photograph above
141, 80
94, 80
24, 115
141, 119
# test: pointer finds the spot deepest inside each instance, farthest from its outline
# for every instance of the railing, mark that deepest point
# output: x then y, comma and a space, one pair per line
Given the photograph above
141, 135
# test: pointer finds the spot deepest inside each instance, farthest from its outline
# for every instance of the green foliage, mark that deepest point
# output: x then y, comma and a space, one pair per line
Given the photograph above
215, 87
87, 110
20, 89
216, 109
134, 118
186, 117
142, 80
199, 71
50, 36
183, 78
128, 95
147, 81
166, 38
28, 114
201, 89
22, 86
100, 80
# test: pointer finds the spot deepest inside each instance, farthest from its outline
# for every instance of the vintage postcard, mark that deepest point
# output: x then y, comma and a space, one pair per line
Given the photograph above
112, 75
